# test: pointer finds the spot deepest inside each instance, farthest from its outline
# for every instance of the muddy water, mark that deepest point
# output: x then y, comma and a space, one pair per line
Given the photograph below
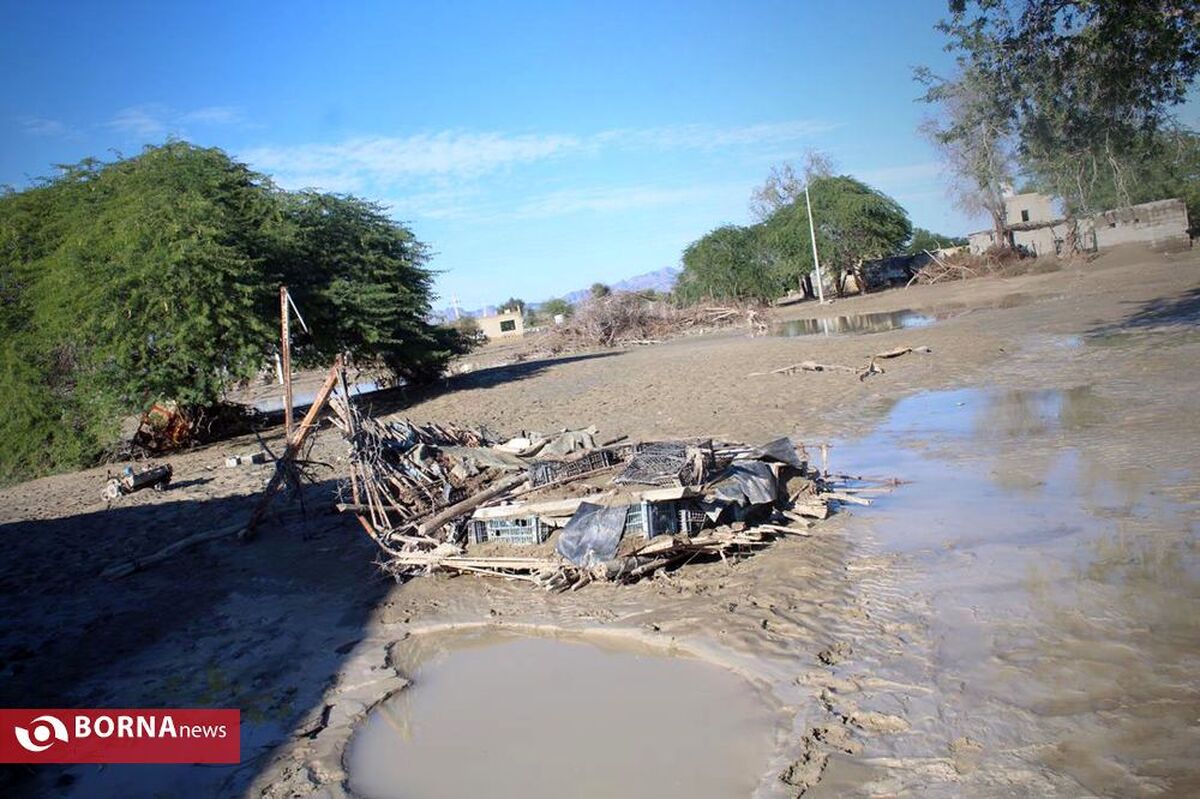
905, 319
522, 717
855, 323
1056, 577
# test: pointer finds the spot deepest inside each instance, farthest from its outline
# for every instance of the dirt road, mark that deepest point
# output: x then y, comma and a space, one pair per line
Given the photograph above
1020, 619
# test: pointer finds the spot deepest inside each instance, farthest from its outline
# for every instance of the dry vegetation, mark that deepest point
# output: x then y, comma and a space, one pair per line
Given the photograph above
626, 318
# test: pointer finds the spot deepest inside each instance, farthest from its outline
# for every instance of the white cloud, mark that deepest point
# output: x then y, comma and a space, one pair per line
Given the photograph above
41, 126
903, 174
387, 160
214, 115
154, 121
613, 199
142, 121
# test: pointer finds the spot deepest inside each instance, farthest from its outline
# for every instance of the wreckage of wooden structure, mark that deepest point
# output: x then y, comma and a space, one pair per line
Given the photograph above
562, 510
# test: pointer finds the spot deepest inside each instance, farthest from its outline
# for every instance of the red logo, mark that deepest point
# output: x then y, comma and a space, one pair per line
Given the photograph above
169, 735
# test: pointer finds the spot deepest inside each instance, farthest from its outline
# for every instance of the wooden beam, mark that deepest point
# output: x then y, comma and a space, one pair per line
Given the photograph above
307, 425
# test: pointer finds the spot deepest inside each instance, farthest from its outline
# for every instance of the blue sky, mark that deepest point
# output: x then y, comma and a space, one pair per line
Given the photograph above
537, 147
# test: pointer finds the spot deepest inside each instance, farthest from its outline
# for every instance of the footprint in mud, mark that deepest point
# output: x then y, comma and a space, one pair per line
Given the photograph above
835, 653
879, 722
966, 753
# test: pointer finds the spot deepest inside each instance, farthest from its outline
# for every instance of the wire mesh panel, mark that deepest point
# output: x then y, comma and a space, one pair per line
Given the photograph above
523, 530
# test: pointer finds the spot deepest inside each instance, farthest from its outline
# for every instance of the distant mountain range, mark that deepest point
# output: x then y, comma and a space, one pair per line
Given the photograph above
659, 280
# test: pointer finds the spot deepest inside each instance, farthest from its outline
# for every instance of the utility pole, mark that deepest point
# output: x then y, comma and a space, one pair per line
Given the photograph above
812, 234
285, 348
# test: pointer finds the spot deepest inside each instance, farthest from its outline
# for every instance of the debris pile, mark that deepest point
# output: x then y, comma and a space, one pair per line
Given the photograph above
156, 477
963, 265
562, 510
630, 318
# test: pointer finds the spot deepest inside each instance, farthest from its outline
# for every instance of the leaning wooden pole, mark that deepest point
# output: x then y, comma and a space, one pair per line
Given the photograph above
285, 349
307, 425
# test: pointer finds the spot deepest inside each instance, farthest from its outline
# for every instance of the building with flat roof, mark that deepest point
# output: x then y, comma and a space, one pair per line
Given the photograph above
506, 324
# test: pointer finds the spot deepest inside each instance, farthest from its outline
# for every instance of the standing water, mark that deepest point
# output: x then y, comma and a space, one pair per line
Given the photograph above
544, 717
1060, 580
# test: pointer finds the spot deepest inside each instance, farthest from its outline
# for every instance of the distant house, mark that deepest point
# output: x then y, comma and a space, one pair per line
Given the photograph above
1034, 227
506, 324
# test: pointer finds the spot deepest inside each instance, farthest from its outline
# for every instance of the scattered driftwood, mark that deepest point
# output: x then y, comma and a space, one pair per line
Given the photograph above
863, 372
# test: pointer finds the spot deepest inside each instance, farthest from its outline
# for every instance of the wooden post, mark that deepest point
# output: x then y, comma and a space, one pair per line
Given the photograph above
285, 349
307, 425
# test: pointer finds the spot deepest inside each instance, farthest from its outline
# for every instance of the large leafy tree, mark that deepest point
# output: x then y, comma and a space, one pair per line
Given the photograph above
1088, 85
853, 221
362, 283
728, 262
156, 277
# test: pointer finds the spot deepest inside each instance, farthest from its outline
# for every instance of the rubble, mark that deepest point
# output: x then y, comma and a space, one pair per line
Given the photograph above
156, 477
233, 461
463, 500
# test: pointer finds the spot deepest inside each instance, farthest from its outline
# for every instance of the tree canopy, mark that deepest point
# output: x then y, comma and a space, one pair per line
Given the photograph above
156, 277
923, 239
556, 306
1085, 87
853, 223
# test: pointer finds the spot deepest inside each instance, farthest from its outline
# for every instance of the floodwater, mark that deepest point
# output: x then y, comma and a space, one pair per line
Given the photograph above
532, 716
856, 323
905, 319
1058, 577
275, 404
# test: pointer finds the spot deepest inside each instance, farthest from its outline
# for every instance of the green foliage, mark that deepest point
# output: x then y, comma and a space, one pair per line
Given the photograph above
600, 290
556, 306
853, 223
923, 239
510, 304
156, 277
1088, 84
729, 262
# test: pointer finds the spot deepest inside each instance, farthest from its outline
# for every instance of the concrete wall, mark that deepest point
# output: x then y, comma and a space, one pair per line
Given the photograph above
981, 242
1037, 207
502, 325
1162, 224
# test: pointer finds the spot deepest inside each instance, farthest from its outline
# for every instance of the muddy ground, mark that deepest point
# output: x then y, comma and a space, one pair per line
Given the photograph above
1023, 618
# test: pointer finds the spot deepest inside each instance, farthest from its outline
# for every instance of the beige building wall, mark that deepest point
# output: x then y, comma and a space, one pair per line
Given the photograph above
1161, 224
502, 325
1031, 207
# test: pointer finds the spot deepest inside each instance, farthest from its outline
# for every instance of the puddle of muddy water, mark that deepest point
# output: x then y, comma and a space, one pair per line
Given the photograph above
856, 323
538, 716
1059, 582
883, 321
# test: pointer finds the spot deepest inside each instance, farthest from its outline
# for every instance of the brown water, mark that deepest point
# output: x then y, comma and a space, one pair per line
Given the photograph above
855, 323
526, 717
1056, 576
905, 319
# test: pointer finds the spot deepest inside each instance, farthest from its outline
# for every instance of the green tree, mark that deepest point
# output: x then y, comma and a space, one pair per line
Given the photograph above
1087, 84
923, 239
362, 283
156, 277
728, 262
512, 303
853, 223
599, 290
557, 306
